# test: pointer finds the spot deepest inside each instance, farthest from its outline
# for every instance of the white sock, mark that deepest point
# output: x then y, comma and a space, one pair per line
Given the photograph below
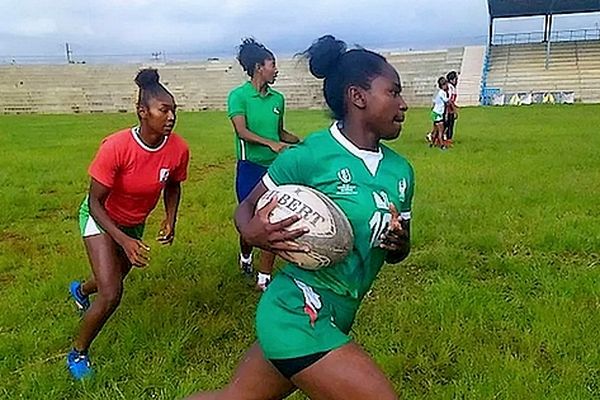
262, 278
246, 259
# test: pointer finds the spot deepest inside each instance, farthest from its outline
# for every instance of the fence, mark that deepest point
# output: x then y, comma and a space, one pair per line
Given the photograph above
538, 37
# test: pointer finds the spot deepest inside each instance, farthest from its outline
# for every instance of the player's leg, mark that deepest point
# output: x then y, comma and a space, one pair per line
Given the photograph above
429, 137
347, 373
90, 286
435, 140
80, 291
446, 122
451, 122
109, 267
439, 133
249, 175
265, 268
243, 187
254, 379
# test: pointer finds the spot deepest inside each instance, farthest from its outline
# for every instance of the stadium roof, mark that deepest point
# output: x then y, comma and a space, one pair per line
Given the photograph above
528, 8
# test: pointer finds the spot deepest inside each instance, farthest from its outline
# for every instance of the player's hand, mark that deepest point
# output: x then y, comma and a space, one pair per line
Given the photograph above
260, 232
166, 234
136, 251
278, 147
395, 237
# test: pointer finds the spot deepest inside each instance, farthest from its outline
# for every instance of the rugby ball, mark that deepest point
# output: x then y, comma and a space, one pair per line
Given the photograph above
330, 236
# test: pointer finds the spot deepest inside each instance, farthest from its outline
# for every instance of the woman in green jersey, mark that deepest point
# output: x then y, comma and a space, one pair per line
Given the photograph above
304, 317
256, 111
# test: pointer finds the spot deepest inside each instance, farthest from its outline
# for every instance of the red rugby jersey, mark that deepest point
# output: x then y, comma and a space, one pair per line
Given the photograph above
136, 173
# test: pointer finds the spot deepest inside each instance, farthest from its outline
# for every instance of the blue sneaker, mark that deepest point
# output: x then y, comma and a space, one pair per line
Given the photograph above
82, 302
79, 364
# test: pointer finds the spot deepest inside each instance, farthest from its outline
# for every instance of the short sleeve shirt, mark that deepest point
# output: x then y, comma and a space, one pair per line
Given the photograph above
452, 92
362, 184
264, 116
136, 173
439, 102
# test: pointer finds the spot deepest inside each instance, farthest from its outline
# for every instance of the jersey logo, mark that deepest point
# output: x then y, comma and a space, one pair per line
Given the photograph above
344, 175
345, 187
312, 301
402, 185
163, 175
276, 110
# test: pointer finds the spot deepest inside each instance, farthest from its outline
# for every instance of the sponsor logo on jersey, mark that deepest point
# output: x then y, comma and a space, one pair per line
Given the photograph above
345, 186
163, 175
276, 110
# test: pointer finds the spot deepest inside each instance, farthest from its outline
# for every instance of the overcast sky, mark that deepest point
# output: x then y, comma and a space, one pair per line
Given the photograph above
202, 28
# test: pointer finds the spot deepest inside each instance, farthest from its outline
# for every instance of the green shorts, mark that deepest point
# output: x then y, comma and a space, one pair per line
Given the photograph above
436, 118
295, 320
89, 227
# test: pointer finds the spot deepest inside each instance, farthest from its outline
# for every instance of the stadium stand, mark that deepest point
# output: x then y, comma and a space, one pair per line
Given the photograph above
572, 66
89, 88
543, 64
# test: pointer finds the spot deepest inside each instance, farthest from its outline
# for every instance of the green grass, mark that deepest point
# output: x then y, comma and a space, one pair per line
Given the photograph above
499, 299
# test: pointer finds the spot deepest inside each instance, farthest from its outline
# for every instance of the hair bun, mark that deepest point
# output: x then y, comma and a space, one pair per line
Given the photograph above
324, 54
146, 78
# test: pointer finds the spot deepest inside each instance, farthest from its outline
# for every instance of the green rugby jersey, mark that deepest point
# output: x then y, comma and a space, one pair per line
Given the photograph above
362, 183
264, 114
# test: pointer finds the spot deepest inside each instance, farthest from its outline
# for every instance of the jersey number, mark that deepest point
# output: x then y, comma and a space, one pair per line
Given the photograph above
379, 223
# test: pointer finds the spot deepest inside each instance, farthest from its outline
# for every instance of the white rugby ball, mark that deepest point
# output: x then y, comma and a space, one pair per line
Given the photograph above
330, 237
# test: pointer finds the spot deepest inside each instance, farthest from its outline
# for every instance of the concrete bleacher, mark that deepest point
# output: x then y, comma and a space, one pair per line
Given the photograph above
573, 66
469, 83
81, 88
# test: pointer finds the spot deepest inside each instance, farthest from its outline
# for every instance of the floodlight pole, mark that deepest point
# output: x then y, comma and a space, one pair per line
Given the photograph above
69, 53
548, 38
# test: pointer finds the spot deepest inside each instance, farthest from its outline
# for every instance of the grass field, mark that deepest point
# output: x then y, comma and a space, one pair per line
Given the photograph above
500, 298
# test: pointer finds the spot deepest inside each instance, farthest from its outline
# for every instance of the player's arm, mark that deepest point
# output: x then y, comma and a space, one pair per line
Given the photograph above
453, 108
135, 250
257, 230
171, 198
286, 136
239, 124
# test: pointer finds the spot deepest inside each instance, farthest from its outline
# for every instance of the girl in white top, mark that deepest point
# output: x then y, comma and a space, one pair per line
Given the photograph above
436, 137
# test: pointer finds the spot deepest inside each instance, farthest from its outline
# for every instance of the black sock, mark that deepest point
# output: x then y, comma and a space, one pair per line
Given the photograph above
80, 352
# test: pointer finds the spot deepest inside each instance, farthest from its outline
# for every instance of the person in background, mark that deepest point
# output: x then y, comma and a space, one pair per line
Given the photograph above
436, 136
451, 107
130, 171
257, 112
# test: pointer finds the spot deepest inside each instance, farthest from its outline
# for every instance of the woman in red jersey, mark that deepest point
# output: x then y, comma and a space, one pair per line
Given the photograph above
128, 174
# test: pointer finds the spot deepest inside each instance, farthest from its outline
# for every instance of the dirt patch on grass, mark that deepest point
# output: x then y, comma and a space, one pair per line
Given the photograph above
202, 172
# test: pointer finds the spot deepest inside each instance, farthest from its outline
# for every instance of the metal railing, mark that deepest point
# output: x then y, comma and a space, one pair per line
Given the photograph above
483, 95
569, 35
